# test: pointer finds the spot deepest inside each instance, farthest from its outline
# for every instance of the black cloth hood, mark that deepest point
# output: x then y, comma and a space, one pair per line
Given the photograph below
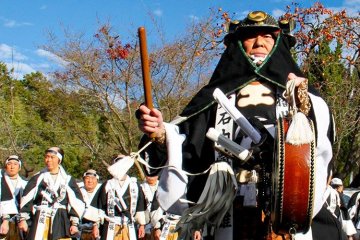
235, 70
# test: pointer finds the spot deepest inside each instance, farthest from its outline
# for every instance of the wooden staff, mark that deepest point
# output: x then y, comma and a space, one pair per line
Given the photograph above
145, 67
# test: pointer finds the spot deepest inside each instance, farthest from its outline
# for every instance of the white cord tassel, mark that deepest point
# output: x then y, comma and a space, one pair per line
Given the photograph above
215, 200
299, 131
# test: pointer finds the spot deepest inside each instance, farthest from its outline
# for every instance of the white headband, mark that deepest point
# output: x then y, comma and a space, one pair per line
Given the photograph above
91, 173
13, 157
54, 151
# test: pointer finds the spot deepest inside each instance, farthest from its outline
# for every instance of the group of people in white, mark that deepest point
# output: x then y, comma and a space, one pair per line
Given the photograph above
53, 205
347, 214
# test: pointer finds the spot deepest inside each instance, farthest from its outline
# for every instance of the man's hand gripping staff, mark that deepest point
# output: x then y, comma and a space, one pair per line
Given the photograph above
151, 121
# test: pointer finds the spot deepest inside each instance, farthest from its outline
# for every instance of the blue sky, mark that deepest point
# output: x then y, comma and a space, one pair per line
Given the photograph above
24, 24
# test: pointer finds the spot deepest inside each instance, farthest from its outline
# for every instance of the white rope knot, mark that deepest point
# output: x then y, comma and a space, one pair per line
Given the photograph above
299, 131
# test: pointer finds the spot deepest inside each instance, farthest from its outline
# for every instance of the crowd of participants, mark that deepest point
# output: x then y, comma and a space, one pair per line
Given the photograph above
340, 209
53, 205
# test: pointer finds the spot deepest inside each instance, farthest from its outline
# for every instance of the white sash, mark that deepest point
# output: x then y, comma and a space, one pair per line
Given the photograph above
134, 193
225, 125
40, 226
111, 213
170, 221
132, 231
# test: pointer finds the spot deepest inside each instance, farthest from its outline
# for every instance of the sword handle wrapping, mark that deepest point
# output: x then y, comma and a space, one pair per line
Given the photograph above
228, 145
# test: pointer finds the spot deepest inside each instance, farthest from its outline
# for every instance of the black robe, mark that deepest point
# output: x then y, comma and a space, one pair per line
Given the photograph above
102, 204
353, 207
233, 72
61, 224
7, 197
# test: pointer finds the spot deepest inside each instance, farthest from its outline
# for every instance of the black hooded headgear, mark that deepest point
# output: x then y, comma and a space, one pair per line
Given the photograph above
235, 69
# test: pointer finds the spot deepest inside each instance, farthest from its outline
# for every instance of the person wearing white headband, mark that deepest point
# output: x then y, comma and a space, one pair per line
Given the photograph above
15, 158
91, 173
52, 203
90, 192
55, 151
122, 203
12, 186
340, 210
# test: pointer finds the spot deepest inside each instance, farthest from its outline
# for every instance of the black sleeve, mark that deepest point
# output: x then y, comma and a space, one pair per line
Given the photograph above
352, 200
154, 204
101, 201
95, 199
6, 194
141, 204
75, 188
154, 154
29, 195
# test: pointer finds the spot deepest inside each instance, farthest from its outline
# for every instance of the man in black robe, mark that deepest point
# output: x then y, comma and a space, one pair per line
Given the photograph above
121, 204
90, 193
254, 71
11, 186
52, 203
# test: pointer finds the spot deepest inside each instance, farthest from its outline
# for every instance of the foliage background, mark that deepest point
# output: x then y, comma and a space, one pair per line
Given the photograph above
88, 108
